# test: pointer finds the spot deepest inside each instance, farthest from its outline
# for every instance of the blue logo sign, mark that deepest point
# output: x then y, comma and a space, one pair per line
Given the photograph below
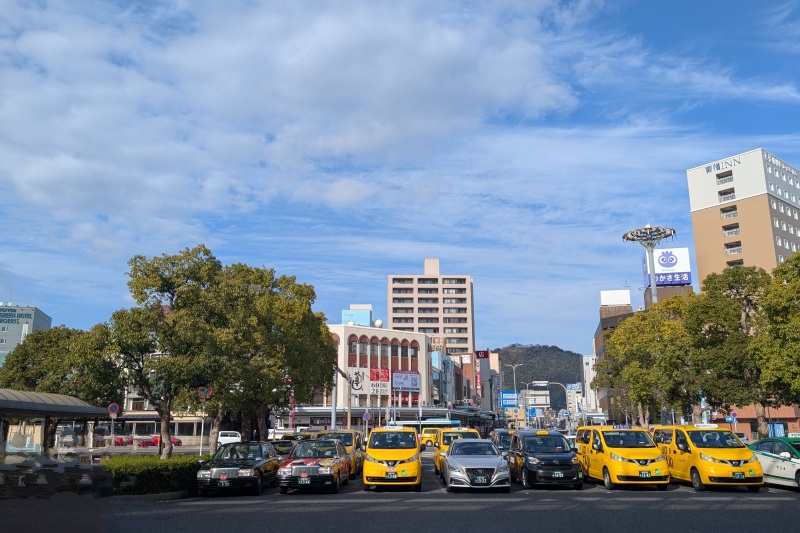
508, 398
667, 259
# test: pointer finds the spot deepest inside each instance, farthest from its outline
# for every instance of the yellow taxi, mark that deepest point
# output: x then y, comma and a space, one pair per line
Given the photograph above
708, 455
442, 443
620, 455
392, 457
428, 435
352, 442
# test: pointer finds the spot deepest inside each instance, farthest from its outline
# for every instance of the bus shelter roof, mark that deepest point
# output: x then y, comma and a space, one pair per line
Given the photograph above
24, 404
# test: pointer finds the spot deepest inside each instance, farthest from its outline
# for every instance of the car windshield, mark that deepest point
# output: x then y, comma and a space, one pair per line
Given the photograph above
465, 447
447, 438
346, 438
505, 440
714, 439
313, 449
282, 446
548, 444
796, 446
392, 439
237, 452
628, 439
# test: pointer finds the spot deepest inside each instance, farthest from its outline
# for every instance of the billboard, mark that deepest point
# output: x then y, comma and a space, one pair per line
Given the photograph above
374, 381
575, 386
405, 381
672, 267
508, 398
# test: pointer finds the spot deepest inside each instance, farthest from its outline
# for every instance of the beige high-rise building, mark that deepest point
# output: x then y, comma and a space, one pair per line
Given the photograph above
745, 211
435, 304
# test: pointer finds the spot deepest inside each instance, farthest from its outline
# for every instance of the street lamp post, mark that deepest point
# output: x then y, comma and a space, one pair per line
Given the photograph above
649, 237
527, 400
516, 393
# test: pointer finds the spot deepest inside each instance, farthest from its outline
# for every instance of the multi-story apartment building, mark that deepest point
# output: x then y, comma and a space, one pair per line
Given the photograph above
434, 304
15, 323
745, 211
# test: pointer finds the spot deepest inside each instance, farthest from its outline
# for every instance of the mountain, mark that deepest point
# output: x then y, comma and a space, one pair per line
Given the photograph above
541, 363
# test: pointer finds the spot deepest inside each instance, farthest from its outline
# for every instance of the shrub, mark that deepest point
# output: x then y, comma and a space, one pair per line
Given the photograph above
145, 474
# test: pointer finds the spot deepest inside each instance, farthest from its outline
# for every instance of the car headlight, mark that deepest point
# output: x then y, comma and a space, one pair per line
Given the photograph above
326, 470
533, 461
414, 458
248, 472
617, 457
503, 467
203, 474
752, 459
575, 460
661, 457
368, 457
285, 471
705, 457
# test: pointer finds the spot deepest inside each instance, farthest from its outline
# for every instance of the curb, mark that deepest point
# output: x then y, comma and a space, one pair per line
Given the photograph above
159, 497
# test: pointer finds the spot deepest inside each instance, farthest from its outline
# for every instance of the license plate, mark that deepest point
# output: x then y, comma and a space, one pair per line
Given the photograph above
305, 481
644, 474
224, 483
557, 474
738, 475
391, 475
480, 480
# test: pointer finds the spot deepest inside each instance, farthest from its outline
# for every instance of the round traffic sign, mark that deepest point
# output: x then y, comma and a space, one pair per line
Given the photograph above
366, 416
204, 392
113, 409
733, 415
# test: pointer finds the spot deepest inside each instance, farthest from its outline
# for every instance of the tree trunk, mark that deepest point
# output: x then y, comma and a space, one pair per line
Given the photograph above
213, 436
166, 438
763, 428
247, 432
697, 413
263, 430
642, 415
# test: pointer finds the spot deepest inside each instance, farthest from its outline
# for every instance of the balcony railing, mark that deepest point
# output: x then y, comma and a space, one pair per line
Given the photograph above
729, 214
726, 197
733, 250
730, 232
727, 179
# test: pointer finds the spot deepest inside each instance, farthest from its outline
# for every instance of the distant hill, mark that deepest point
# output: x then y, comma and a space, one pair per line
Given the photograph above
541, 363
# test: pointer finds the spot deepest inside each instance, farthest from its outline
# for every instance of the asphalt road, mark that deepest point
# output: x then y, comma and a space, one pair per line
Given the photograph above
593, 509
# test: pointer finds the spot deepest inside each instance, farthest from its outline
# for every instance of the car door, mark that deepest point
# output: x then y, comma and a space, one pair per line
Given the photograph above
514, 457
682, 459
271, 461
596, 455
784, 463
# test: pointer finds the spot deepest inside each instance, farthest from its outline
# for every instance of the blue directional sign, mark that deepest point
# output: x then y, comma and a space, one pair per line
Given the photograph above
508, 398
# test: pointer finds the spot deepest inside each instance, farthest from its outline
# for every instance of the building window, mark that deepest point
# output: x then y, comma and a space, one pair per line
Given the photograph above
726, 195
428, 291
735, 263
772, 187
351, 347
783, 226
2, 340
428, 281
428, 300
733, 248
456, 340
429, 320
780, 259
455, 330
454, 291
402, 291
397, 320
429, 330
455, 320
384, 350
428, 310
456, 310
724, 177
728, 212
3, 328
780, 208
775, 222
774, 204
402, 310
778, 241
794, 247
732, 229
402, 281
405, 300
454, 281
454, 300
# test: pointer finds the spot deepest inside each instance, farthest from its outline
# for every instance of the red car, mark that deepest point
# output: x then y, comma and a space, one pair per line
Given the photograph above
157, 440
123, 440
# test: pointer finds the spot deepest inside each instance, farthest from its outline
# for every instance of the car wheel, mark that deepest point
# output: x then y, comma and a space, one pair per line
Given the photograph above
258, 487
526, 481
607, 480
428, 443
274, 482
284, 490
435, 470
697, 482
797, 478
366, 488
754, 488
335, 486
346, 480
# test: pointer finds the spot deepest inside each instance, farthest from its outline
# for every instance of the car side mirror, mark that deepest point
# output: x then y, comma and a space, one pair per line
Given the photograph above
436, 445
422, 447
683, 447
574, 449
785, 455
597, 446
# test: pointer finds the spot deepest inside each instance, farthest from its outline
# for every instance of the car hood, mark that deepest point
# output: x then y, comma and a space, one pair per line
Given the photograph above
477, 461
554, 458
309, 462
249, 463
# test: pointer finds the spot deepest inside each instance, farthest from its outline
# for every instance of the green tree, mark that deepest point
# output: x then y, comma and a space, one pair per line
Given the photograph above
648, 360
723, 323
166, 344
777, 344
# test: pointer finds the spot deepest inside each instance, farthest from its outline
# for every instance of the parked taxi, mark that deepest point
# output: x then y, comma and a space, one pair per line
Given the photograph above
780, 459
541, 456
442, 443
352, 442
708, 455
619, 455
502, 438
428, 435
315, 463
392, 457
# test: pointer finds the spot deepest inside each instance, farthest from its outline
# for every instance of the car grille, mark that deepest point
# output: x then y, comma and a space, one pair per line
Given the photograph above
229, 473
736, 481
472, 473
643, 480
300, 470
558, 467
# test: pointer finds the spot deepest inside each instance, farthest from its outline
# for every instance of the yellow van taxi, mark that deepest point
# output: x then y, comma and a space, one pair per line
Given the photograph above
428, 435
708, 455
619, 455
442, 444
392, 456
352, 443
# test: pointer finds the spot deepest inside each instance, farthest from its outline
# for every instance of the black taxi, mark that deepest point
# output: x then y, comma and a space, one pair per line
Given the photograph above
540, 456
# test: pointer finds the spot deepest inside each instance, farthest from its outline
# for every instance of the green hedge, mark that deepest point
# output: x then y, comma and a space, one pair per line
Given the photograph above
151, 475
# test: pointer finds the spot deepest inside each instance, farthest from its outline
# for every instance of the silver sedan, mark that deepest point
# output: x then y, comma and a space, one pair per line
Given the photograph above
475, 464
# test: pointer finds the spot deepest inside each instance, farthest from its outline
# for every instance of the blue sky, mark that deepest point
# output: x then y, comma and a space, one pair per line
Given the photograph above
343, 141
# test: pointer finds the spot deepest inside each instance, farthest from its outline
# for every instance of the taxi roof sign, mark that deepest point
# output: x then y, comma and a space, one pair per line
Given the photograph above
793, 435
706, 426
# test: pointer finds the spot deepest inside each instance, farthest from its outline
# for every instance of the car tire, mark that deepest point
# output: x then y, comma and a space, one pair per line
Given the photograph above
797, 479
697, 482
258, 487
335, 486
754, 488
609, 485
366, 488
526, 482
435, 470
274, 482
283, 490
347, 480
